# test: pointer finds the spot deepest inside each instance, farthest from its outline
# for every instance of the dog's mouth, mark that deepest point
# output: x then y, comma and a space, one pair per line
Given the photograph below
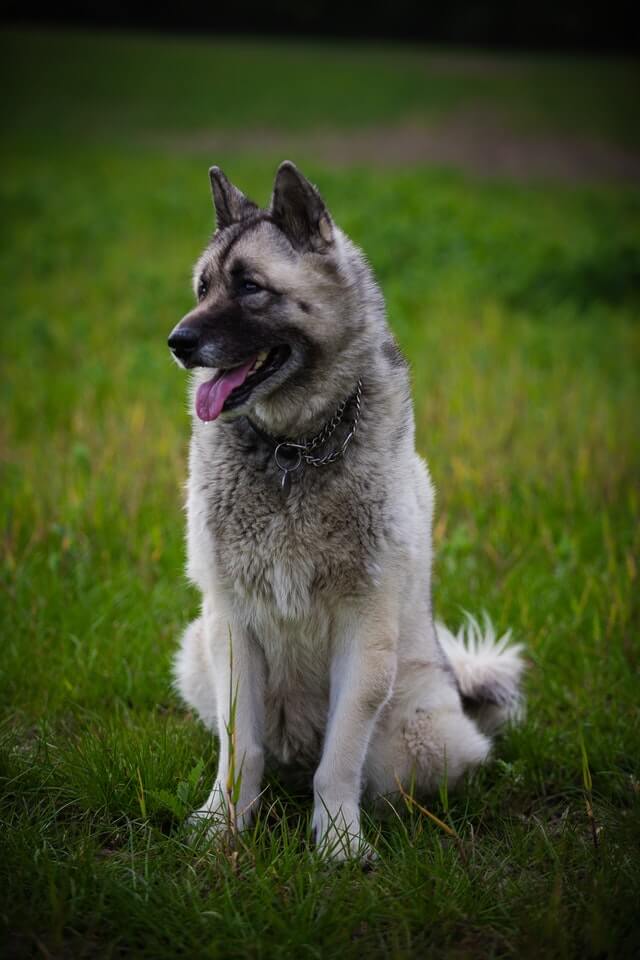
230, 387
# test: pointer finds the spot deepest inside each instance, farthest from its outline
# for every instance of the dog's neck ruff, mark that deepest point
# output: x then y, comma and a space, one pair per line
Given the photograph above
290, 455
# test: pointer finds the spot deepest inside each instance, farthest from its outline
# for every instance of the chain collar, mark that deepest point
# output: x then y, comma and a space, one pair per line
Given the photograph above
289, 455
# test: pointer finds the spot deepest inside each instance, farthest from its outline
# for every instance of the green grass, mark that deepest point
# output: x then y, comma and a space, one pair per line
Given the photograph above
519, 309
114, 86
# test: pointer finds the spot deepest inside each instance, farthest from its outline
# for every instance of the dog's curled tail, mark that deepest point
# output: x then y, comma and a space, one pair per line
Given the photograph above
488, 670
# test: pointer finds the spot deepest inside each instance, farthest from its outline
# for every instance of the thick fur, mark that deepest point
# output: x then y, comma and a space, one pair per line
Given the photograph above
317, 608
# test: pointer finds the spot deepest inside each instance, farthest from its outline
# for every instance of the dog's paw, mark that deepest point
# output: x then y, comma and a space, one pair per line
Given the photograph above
206, 825
340, 847
339, 838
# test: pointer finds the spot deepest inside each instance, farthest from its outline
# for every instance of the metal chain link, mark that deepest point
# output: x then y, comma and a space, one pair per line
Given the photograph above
330, 428
303, 449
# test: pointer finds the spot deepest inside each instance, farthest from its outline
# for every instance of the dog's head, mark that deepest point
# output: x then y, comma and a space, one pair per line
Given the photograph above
282, 297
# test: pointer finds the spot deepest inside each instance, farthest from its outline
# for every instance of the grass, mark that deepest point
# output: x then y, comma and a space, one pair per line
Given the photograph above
114, 86
518, 307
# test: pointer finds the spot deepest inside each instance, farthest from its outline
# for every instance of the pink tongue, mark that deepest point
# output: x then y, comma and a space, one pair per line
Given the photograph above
211, 395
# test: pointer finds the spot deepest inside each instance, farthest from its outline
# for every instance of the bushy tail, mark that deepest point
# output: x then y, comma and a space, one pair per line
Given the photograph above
488, 670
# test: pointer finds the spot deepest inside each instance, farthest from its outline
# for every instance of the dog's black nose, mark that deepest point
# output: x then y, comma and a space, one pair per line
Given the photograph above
183, 341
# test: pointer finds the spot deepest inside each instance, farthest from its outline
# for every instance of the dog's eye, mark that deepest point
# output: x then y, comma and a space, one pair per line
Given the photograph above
203, 286
248, 286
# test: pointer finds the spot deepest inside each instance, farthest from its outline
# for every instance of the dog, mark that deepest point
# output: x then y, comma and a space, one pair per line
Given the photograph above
309, 533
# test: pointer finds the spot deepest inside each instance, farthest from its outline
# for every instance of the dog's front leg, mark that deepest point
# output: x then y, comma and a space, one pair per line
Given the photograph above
238, 677
362, 674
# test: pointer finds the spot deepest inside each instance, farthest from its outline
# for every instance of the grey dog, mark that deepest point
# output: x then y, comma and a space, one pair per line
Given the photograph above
309, 532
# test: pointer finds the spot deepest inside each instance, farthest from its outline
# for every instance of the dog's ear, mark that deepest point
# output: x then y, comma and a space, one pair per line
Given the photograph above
231, 204
299, 210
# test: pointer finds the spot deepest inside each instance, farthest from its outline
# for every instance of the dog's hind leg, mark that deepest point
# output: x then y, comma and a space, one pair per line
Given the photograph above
424, 735
193, 674
443, 713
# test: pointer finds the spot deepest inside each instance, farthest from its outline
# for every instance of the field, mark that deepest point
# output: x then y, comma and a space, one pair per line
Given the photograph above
516, 299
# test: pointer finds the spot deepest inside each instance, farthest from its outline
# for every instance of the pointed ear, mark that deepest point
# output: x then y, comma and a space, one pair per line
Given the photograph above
299, 210
231, 204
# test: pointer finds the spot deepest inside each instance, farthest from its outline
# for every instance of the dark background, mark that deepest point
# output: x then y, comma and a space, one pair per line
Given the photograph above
501, 24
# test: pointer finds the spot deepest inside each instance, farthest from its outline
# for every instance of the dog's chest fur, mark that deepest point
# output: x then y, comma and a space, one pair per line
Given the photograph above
283, 554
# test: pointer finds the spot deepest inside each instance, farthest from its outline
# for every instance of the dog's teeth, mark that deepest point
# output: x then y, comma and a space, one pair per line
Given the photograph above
260, 359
